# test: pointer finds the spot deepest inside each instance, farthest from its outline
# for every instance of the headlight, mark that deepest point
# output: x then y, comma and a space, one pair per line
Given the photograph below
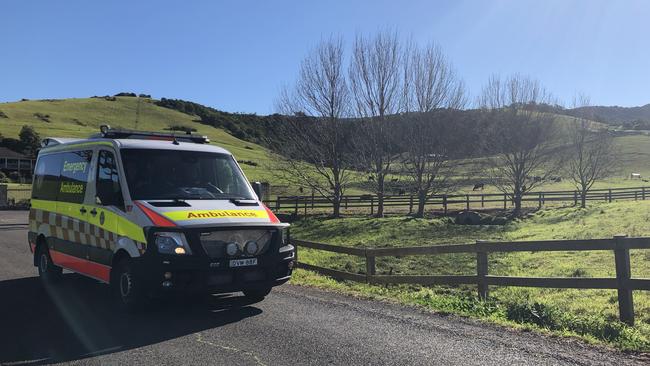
251, 247
172, 243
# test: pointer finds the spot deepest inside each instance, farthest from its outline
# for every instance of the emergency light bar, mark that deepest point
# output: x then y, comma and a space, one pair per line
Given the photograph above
111, 133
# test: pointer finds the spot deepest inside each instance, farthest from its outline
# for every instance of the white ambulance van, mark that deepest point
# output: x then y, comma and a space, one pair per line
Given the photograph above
150, 212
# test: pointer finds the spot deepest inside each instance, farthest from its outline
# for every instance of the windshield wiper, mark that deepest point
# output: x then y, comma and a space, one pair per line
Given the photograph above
241, 201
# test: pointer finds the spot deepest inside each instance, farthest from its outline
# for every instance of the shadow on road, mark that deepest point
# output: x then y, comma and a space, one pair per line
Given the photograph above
78, 320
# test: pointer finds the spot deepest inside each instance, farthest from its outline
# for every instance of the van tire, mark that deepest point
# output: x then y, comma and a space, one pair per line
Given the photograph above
256, 295
126, 286
47, 270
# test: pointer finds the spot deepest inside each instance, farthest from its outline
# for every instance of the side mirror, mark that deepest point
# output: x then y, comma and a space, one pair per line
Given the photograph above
257, 187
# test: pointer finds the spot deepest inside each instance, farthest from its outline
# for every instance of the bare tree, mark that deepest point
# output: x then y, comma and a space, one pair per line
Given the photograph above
375, 81
520, 139
591, 154
316, 134
435, 92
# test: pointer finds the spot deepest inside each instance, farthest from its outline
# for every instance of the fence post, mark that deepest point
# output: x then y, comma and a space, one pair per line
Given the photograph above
4, 196
312, 199
444, 203
277, 204
482, 200
481, 271
370, 266
610, 195
505, 201
539, 206
410, 204
467, 202
296, 208
305, 204
575, 198
643, 193
346, 202
372, 205
623, 274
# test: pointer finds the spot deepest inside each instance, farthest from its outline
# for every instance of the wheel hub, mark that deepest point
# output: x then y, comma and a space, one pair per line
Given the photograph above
125, 284
43, 262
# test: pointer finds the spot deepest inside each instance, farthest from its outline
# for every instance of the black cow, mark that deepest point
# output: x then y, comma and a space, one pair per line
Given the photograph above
478, 186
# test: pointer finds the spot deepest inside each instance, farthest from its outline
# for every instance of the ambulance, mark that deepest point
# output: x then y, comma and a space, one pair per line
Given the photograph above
153, 213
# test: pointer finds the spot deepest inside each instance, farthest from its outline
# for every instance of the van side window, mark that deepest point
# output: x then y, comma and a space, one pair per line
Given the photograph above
75, 169
109, 191
46, 177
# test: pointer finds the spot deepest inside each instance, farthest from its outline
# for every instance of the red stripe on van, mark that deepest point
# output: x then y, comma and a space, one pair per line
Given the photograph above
155, 217
83, 266
274, 219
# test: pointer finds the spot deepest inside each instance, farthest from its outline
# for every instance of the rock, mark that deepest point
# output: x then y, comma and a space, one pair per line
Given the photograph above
468, 218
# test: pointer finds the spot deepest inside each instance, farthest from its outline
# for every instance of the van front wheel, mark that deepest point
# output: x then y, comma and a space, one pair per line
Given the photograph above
126, 286
47, 271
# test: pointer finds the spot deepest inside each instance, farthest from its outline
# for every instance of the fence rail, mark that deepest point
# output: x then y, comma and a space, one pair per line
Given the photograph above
620, 245
445, 202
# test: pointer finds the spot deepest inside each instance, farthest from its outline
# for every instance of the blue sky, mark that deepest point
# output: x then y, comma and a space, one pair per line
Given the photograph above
236, 55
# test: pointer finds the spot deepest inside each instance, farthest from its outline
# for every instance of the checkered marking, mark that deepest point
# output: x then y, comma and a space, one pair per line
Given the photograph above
74, 230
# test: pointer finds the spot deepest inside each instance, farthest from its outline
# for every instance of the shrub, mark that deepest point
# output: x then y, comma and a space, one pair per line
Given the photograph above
125, 94
30, 140
536, 313
181, 128
3, 177
145, 96
580, 272
3, 115
42, 117
247, 162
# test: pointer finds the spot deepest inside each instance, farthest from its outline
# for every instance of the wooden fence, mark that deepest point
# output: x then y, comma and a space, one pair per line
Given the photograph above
620, 245
306, 204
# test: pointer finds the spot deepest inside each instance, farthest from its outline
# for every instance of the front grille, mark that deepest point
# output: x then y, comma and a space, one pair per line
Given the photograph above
214, 242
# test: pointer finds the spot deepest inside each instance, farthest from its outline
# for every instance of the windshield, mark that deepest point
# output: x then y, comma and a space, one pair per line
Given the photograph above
173, 174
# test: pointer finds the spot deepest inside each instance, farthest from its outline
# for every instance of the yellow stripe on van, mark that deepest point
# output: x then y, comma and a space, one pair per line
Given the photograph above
124, 226
216, 214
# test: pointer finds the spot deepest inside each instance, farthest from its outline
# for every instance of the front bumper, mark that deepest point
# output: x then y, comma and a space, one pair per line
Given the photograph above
199, 273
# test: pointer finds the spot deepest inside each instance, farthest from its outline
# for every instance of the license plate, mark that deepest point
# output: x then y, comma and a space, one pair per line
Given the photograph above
243, 262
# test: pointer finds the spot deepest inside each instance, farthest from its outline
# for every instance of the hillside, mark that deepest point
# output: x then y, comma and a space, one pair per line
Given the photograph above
614, 115
82, 117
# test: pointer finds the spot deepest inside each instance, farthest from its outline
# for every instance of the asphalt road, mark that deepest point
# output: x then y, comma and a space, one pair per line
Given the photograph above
75, 323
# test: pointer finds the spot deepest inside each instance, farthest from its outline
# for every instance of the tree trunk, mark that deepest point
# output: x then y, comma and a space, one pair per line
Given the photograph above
336, 203
380, 195
517, 199
583, 198
422, 200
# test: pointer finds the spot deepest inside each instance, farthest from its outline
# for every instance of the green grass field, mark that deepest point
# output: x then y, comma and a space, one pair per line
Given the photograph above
588, 313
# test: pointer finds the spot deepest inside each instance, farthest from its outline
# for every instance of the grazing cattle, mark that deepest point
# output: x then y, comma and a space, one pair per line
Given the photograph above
394, 180
635, 176
478, 186
645, 180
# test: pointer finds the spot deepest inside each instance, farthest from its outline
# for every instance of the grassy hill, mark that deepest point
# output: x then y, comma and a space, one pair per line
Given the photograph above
82, 117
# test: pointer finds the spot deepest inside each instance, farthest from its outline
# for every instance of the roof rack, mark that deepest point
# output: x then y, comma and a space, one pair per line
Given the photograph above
112, 133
